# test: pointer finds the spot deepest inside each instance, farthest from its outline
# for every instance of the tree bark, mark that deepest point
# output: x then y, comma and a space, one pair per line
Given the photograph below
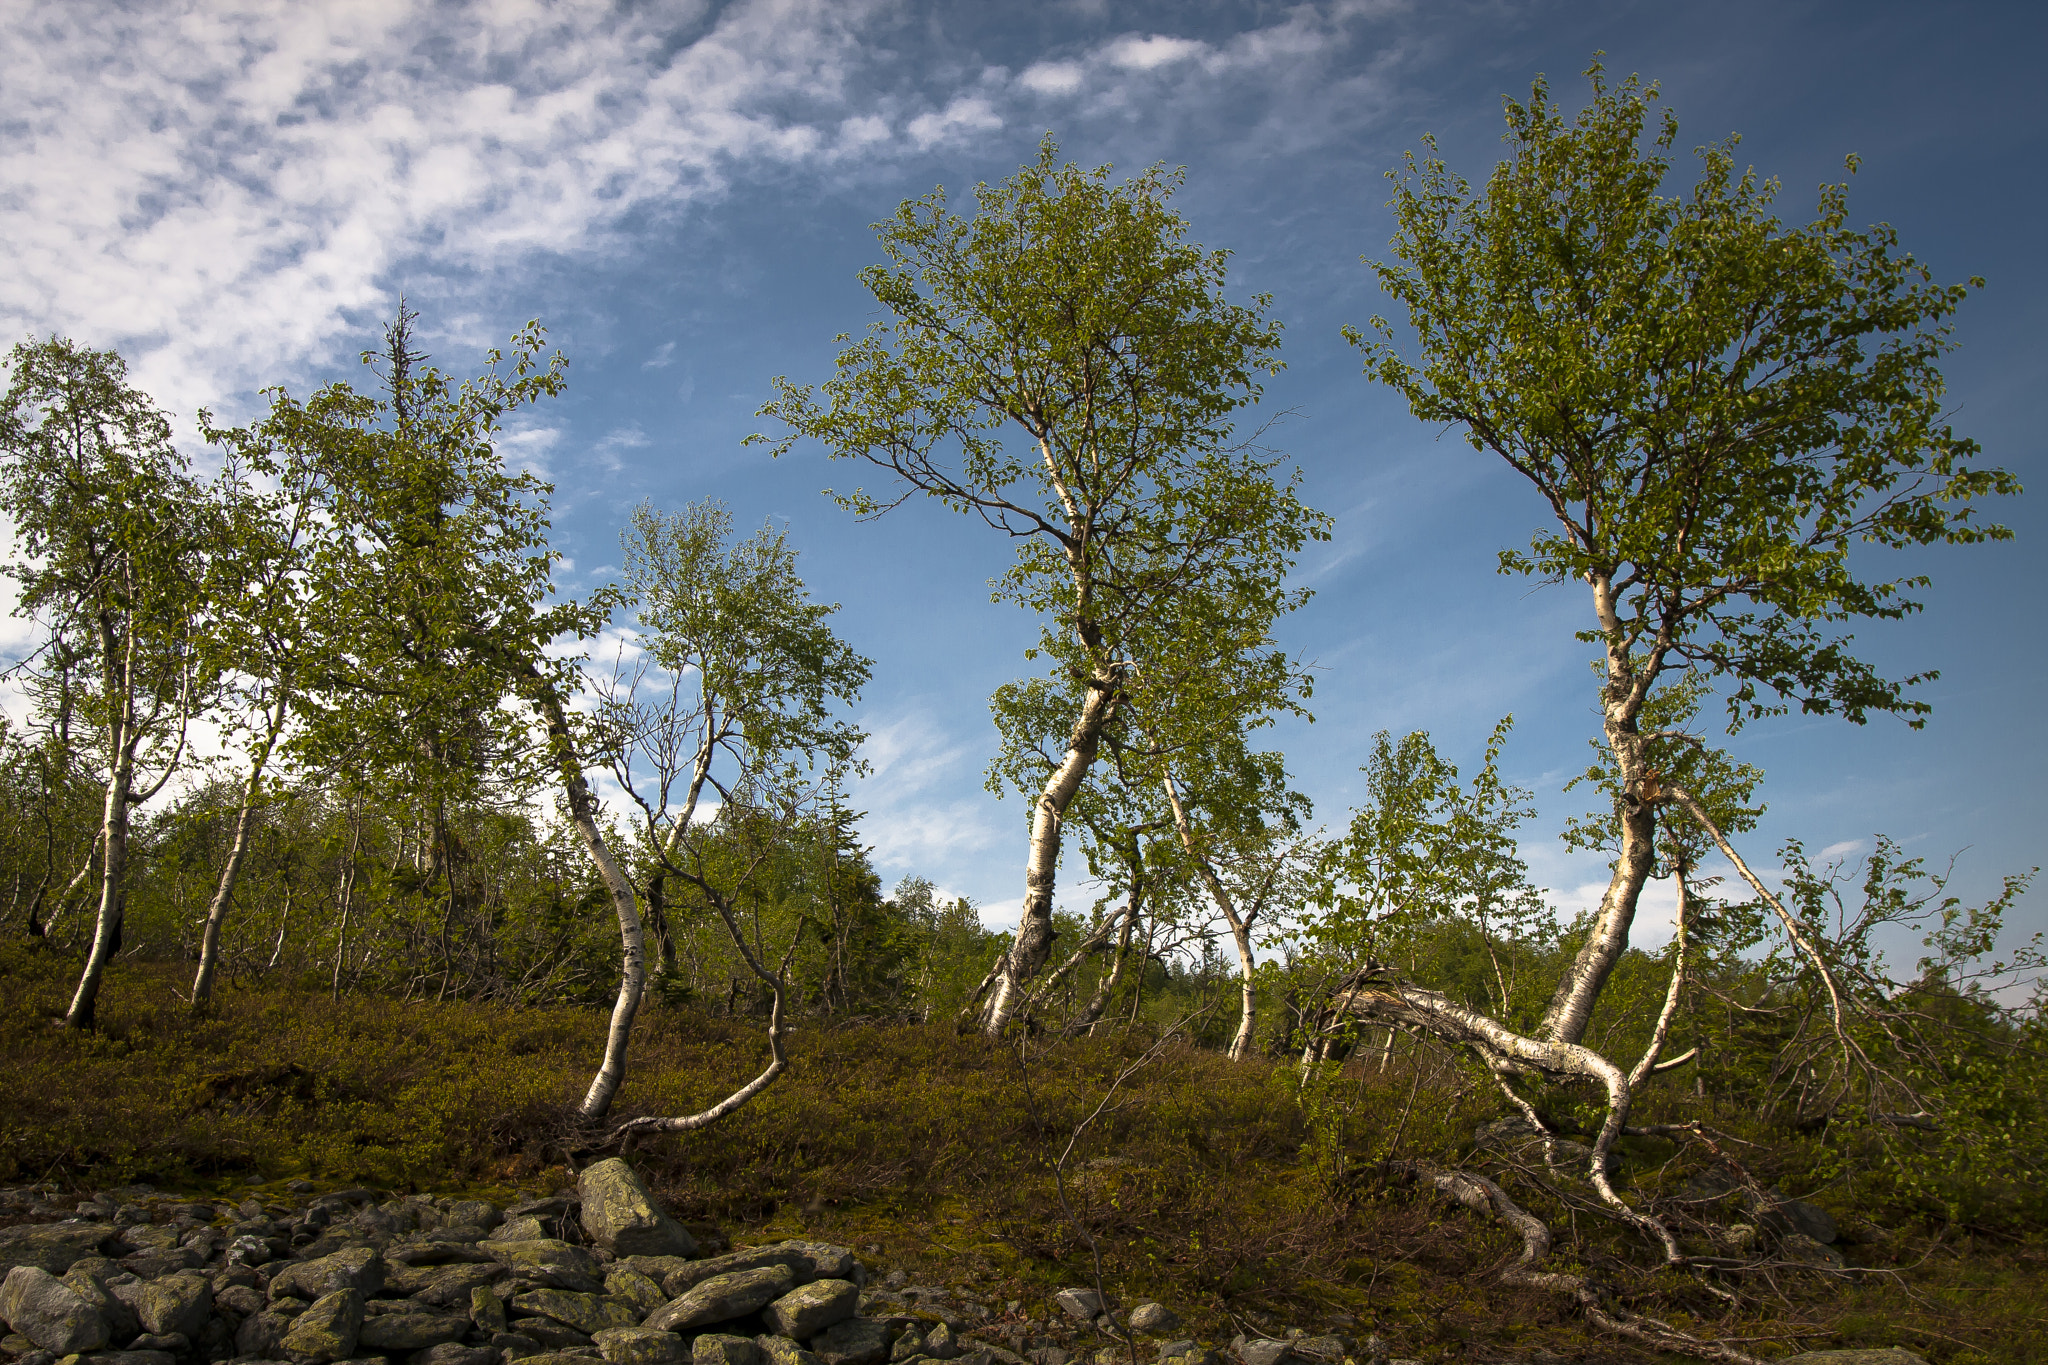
1033, 943
1240, 927
1628, 682
238, 851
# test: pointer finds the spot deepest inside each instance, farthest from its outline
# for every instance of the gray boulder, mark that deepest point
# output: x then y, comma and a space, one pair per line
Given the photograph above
545, 1261
1868, 1355
474, 1213
122, 1324
856, 1341
640, 1345
49, 1312
1261, 1351
410, 1331
629, 1286
1083, 1304
327, 1329
261, 1336
807, 1261
1796, 1216
580, 1357
176, 1304
452, 1353
555, 1336
523, 1229
51, 1247
1152, 1319
359, 1268
587, 1313
486, 1310
714, 1348
809, 1309
777, 1350
940, 1343
620, 1215
444, 1286
909, 1345
724, 1297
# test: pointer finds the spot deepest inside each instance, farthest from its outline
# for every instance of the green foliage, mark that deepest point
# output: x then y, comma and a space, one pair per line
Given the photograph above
1716, 408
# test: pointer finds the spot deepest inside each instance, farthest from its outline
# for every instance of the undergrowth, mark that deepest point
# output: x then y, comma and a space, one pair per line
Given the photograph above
1232, 1192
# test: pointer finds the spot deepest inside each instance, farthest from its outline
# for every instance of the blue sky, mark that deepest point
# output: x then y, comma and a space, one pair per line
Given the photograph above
235, 195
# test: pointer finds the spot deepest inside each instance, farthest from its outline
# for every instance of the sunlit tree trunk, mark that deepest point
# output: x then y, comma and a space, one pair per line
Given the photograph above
238, 851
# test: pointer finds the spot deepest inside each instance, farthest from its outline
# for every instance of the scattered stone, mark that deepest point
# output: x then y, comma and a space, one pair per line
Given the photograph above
486, 1310
50, 1247
515, 1345
855, 1341
1083, 1304
360, 1268
262, 1335
716, 1349
556, 1336
411, 1330
519, 1230
561, 1358
723, 1297
634, 1289
941, 1344
640, 1346
1330, 1350
620, 1215
1262, 1351
782, 1351
50, 1313
327, 1329
809, 1309
553, 1264
453, 1353
177, 1304
173, 1342
909, 1346
587, 1313
1797, 1246
1152, 1319
1868, 1355
1796, 1217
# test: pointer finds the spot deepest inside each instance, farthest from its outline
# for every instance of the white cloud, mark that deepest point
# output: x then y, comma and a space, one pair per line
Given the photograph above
967, 115
1149, 53
661, 358
230, 192
1841, 850
1052, 78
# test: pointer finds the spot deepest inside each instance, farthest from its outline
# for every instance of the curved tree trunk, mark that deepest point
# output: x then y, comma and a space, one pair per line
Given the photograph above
238, 851
1033, 943
106, 938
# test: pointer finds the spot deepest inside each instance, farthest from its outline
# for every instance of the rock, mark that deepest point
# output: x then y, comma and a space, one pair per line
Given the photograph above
262, 1336
723, 1297
410, 1331
1330, 1350
446, 1286
51, 1247
587, 1313
556, 1336
173, 1343
1737, 1239
238, 1299
941, 1344
122, 1324
1261, 1351
657, 1268
856, 1341
474, 1212
452, 1353
641, 1346
1049, 1355
544, 1261
1083, 1304
1152, 1319
175, 1304
1796, 1216
561, 1358
358, 1268
486, 1310
716, 1349
809, 1309
520, 1230
515, 1345
51, 1313
909, 1346
782, 1351
122, 1358
807, 1261
326, 1330
1797, 1246
620, 1215
1868, 1355
629, 1286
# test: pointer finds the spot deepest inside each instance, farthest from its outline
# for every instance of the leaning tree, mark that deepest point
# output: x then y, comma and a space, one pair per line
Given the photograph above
1065, 366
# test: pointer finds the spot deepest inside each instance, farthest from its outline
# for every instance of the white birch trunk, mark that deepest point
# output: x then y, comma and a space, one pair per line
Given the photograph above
238, 851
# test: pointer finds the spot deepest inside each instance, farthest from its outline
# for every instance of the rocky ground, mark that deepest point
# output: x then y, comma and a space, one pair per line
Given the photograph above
596, 1273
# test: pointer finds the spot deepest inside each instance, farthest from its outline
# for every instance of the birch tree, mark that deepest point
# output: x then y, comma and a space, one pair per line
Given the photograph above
1723, 416
111, 531
1064, 366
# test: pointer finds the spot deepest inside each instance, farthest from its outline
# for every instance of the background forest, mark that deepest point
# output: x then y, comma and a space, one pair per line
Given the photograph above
615, 830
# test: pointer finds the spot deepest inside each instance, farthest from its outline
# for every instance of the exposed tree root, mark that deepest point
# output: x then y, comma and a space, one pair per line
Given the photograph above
1482, 1195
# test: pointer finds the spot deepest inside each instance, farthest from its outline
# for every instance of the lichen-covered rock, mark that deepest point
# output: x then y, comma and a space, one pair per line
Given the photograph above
556, 1336
122, 1324
453, 1353
445, 1286
724, 1297
809, 1309
261, 1336
1869, 1355
560, 1358
554, 1264
1327, 1350
51, 1247
410, 1331
807, 1261
1082, 1304
782, 1351
940, 1343
909, 1346
1153, 1318
587, 1313
525, 1229
620, 1215
177, 1304
1260, 1351
327, 1329
360, 1268
640, 1346
51, 1313
474, 1212
855, 1341
716, 1349
627, 1286
486, 1310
